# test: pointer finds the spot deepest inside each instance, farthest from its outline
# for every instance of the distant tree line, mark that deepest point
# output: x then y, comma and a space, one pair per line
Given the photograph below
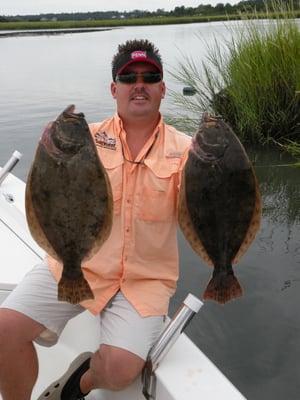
202, 9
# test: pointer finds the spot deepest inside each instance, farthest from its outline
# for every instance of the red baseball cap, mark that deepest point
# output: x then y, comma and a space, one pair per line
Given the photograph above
126, 59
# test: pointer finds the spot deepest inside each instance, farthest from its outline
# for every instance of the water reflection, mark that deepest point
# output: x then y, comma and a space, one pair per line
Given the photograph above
279, 185
280, 188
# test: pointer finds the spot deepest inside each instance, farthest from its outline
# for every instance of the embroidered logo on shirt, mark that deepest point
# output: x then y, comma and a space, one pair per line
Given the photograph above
103, 140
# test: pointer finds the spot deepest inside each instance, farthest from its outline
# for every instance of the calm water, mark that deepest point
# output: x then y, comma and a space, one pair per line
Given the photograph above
255, 341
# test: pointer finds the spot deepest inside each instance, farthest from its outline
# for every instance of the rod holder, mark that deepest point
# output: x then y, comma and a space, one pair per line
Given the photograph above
9, 166
183, 316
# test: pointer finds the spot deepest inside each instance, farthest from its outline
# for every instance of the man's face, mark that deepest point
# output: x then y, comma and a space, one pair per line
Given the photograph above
138, 99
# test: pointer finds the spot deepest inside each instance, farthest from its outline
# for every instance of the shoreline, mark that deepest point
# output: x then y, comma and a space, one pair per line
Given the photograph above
117, 23
49, 32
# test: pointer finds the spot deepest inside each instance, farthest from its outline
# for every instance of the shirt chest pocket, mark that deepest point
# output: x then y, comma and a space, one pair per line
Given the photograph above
157, 196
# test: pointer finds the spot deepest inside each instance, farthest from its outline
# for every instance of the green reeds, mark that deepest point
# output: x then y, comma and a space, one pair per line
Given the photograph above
252, 80
293, 148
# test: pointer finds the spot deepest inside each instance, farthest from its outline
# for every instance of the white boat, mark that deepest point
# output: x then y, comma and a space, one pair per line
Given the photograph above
184, 373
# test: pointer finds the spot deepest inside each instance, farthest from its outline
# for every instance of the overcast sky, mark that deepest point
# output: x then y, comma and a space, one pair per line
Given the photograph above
14, 7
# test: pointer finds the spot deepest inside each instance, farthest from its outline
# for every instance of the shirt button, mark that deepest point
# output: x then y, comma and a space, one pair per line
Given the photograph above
128, 201
127, 230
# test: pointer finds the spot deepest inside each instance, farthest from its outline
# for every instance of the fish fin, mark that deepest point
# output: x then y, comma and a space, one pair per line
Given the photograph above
223, 288
74, 290
33, 223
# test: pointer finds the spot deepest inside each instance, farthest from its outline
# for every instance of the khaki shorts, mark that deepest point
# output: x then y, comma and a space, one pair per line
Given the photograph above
121, 325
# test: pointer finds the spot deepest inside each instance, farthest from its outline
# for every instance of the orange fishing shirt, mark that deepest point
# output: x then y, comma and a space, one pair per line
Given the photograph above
140, 257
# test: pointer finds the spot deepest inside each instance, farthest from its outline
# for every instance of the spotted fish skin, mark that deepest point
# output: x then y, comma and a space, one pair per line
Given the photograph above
69, 200
220, 205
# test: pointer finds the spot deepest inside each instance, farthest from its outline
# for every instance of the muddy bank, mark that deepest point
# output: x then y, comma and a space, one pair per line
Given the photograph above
51, 32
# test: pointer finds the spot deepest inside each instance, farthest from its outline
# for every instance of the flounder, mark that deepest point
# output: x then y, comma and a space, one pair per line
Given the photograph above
69, 200
219, 204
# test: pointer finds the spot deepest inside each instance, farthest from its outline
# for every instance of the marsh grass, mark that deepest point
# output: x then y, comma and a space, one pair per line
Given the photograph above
252, 80
112, 22
293, 148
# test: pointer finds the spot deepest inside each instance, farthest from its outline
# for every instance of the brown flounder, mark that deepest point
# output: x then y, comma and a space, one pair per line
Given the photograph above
219, 204
69, 200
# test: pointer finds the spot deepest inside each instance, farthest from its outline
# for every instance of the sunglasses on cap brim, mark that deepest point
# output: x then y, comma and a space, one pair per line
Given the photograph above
132, 77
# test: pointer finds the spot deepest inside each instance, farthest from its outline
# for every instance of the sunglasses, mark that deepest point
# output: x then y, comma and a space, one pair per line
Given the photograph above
132, 77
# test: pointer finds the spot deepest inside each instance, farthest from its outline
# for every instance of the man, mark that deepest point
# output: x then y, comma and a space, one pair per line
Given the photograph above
134, 274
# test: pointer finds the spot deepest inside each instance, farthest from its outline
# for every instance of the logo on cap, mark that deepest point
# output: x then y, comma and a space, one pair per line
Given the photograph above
138, 54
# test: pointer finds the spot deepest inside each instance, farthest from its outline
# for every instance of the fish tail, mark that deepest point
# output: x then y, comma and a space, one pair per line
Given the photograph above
223, 287
74, 290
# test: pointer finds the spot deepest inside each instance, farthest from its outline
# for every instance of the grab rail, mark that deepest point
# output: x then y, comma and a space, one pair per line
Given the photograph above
190, 306
9, 166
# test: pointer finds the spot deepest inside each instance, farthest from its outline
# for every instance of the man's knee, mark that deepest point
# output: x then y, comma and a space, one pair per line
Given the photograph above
115, 368
17, 327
